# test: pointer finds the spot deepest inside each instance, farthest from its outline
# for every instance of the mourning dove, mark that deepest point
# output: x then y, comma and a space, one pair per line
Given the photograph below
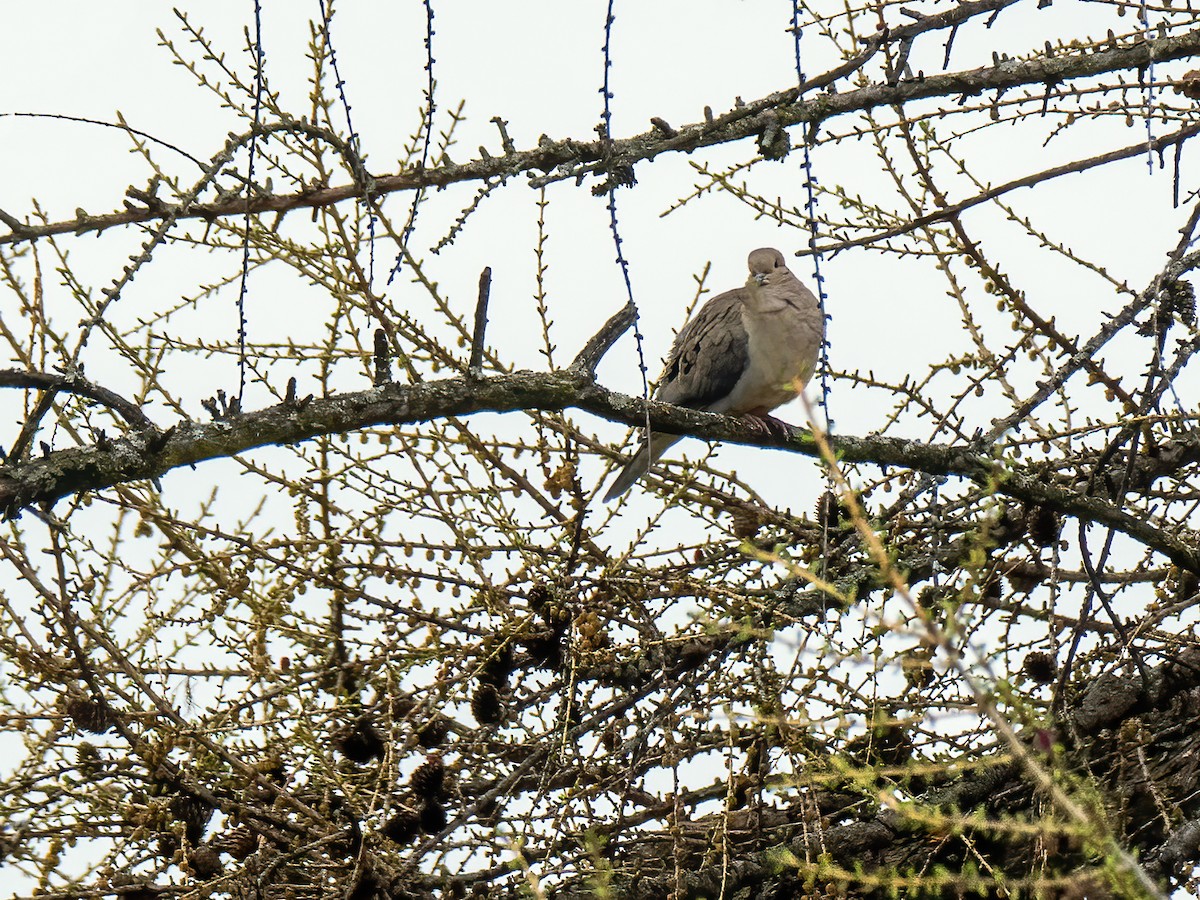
745, 353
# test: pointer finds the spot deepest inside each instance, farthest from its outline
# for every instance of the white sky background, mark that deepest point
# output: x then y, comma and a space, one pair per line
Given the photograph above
539, 66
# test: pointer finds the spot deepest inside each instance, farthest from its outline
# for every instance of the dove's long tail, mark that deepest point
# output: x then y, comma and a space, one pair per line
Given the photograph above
641, 462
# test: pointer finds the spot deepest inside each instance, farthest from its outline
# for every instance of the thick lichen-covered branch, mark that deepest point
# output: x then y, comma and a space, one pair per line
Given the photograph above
150, 454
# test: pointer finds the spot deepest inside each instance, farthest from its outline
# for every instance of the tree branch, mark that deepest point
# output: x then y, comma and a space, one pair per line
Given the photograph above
795, 837
569, 158
942, 213
151, 455
76, 384
601, 342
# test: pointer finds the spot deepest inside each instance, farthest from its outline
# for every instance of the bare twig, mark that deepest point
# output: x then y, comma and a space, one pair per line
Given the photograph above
71, 384
383, 363
600, 343
481, 310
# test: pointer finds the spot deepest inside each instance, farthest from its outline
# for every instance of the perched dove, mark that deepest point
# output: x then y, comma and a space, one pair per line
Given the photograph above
746, 352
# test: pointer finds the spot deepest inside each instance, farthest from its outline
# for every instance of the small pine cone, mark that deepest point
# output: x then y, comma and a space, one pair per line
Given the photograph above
205, 862
546, 650
558, 616
487, 809
590, 632
611, 738
561, 479
485, 705
428, 781
433, 733
90, 714
932, 598
403, 826
360, 742
497, 665
991, 588
1026, 578
194, 813
1044, 525
746, 522
239, 843
168, 844
1181, 300
1041, 667
1011, 525
402, 706
692, 655
539, 597
433, 817
774, 143
831, 512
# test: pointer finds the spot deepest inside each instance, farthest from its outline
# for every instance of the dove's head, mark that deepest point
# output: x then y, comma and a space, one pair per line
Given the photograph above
766, 267
771, 287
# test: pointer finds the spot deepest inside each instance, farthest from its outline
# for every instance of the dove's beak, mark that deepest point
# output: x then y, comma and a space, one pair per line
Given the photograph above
759, 278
